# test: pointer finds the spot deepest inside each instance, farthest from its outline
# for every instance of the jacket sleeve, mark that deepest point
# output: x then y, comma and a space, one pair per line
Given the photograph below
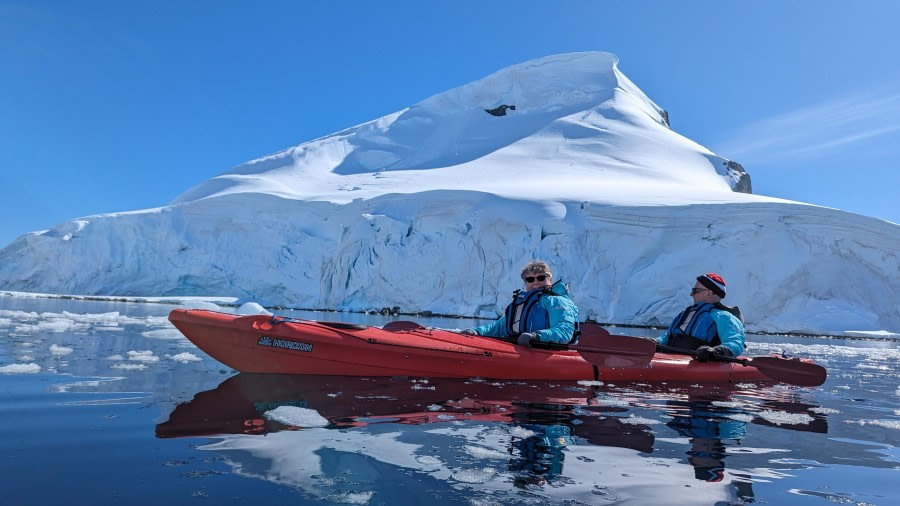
731, 331
563, 315
493, 329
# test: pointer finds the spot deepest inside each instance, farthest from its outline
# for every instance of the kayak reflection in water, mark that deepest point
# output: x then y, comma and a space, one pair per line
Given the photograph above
540, 450
711, 429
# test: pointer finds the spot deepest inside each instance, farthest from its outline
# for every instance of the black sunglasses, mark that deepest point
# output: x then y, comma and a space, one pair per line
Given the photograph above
695, 291
530, 279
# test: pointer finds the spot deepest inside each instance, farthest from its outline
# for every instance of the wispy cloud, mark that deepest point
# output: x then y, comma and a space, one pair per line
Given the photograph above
816, 132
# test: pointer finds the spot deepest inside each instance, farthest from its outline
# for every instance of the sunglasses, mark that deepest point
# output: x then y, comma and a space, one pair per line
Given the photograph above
530, 279
695, 291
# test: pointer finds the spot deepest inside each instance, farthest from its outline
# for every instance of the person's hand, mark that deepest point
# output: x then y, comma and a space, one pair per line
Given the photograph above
526, 339
707, 353
469, 332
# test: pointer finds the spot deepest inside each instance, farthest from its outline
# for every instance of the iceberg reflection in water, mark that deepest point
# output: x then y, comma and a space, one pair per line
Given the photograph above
382, 440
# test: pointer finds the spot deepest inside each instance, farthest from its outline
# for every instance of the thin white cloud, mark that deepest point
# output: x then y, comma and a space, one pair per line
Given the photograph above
817, 131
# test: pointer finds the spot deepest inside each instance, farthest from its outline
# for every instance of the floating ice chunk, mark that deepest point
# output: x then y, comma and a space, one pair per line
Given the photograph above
887, 424
825, 411
429, 463
115, 357
20, 369
296, 416
145, 356
520, 432
474, 475
783, 417
185, 358
485, 453
350, 497
434, 407
588, 383
638, 420
129, 367
252, 308
163, 334
60, 350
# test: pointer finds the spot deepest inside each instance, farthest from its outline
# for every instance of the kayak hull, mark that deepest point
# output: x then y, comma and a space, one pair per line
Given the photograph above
257, 344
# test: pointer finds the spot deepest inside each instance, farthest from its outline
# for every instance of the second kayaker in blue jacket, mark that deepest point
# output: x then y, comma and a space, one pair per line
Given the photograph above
707, 326
542, 312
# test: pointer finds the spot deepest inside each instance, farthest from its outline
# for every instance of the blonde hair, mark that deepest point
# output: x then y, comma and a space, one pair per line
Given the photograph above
537, 267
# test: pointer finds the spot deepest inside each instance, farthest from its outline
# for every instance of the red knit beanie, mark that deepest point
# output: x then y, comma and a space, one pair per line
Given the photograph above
714, 282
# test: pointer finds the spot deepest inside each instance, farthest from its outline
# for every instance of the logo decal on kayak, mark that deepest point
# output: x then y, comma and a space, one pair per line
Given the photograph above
284, 343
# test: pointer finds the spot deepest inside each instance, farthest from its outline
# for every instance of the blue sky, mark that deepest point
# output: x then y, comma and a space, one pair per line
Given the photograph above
110, 106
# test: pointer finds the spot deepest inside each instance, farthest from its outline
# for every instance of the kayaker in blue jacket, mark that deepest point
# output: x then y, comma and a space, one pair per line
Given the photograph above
707, 326
542, 312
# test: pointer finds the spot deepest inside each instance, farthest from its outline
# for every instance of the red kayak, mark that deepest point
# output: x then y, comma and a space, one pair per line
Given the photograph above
265, 344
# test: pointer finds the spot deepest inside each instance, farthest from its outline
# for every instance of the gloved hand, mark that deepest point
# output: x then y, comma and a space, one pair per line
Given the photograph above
526, 339
469, 332
707, 353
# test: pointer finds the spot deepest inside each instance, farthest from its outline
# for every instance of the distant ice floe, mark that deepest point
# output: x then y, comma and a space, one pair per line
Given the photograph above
60, 350
887, 424
129, 367
20, 369
350, 497
185, 357
145, 356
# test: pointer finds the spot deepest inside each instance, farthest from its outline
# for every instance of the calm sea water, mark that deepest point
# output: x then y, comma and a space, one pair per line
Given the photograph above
105, 403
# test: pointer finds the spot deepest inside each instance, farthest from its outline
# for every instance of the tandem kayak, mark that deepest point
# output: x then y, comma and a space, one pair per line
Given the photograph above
266, 344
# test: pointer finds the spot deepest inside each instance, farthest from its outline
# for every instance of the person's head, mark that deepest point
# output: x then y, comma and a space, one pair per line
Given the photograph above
709, 287
537, 274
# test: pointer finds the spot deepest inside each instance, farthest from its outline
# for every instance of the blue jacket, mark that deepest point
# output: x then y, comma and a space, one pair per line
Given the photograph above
709, 326
553, 319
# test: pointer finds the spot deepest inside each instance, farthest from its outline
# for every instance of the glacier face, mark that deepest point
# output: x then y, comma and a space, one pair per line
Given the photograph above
436, 207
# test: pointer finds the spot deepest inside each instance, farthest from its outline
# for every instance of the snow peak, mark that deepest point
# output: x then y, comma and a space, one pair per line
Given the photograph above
284, 343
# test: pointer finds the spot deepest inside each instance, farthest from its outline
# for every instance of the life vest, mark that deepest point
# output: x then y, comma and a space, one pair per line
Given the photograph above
526, 314
694, 328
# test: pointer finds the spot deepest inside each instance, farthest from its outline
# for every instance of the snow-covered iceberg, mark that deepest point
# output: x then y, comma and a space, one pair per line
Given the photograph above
435, 208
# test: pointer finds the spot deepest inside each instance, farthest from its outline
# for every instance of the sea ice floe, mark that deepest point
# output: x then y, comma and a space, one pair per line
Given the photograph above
296, 416
163, 334
638, 420
350, 497
483, 475
20, 369
887, 424
520, 432
145, 356
783, 417
129, 367
429, 463
484, 453
60, 350
185, 358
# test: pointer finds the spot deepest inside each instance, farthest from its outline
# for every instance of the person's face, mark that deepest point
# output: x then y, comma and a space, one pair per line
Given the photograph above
538, 280
702, 294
